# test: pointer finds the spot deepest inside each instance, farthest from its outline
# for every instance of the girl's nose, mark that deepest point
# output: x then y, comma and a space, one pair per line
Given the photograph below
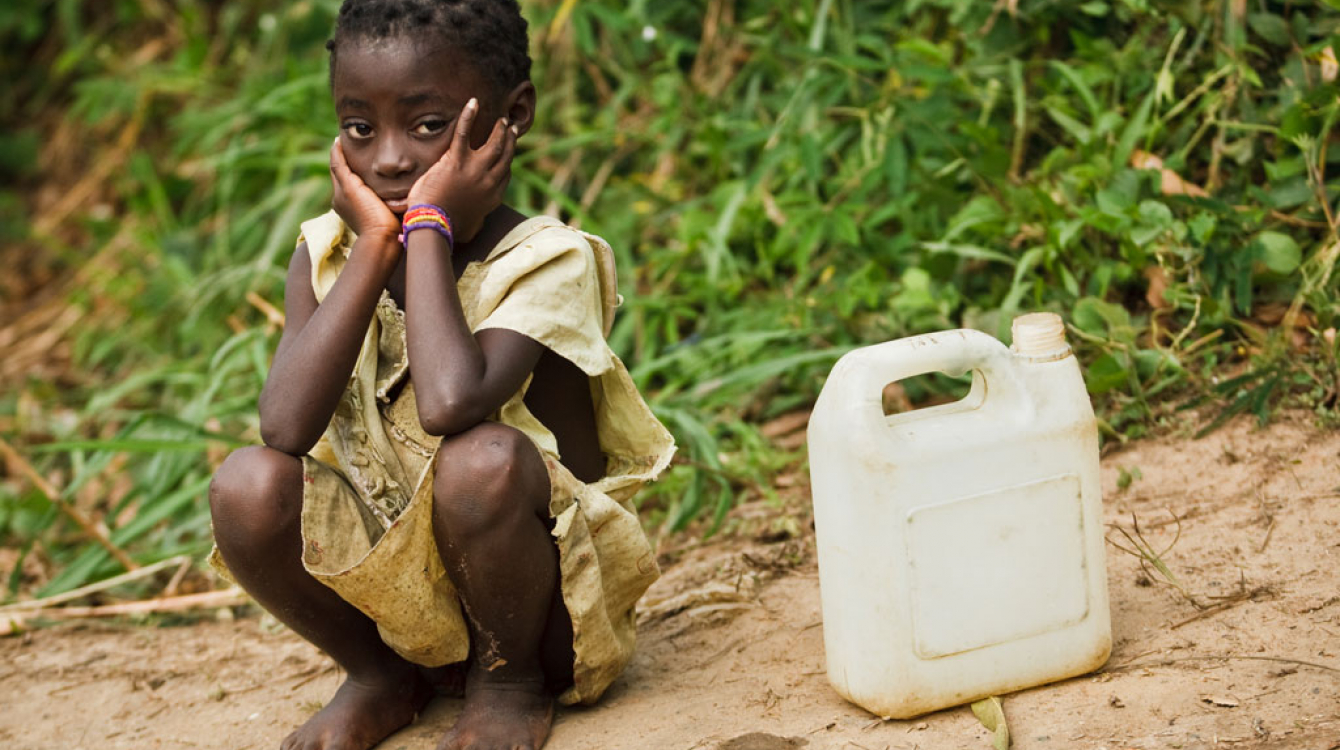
392, 159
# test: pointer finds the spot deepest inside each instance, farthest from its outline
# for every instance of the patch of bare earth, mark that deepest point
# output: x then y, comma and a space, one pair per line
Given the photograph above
1245, 655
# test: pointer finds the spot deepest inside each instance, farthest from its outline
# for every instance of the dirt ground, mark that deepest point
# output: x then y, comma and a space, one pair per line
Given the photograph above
731, 649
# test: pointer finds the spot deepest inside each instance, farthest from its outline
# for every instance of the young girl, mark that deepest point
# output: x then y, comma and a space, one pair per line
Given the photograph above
450, 445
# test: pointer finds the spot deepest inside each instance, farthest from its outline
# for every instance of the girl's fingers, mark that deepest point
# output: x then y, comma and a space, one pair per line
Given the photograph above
493, 149
504, 176
347, 177
464, 124
452, 129
338, 166
507, 148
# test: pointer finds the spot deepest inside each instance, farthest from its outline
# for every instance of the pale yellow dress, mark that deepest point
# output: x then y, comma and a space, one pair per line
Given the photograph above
367, 494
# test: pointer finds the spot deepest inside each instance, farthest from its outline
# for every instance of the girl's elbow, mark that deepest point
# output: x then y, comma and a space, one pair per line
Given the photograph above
285, 440
447, 417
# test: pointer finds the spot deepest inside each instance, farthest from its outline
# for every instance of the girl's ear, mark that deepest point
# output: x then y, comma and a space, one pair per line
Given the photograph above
520, 106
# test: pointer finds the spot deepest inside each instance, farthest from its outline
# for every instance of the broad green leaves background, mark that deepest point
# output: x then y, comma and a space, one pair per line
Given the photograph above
781, 182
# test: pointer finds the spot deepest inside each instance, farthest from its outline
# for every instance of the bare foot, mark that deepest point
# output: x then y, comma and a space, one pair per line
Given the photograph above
502, 716
361, 714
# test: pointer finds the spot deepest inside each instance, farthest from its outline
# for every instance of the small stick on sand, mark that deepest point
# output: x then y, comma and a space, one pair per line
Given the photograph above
93, 588
1217, 657
11, 623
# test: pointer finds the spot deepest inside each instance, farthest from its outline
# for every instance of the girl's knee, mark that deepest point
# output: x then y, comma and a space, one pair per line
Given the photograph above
255, 490
486, 475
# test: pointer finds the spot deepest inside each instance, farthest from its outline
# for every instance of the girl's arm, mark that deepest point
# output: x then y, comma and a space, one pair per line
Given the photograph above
319, 347
320, 343
460, 378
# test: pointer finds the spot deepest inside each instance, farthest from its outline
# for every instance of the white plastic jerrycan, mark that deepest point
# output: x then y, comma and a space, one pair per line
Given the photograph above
960, 546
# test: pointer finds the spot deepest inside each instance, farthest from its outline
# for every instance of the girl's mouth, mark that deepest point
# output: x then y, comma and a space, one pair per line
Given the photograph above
397, 205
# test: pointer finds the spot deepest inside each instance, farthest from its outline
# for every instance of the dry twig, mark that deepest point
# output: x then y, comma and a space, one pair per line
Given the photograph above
1219, 657
95, 531
181, 561
232, 597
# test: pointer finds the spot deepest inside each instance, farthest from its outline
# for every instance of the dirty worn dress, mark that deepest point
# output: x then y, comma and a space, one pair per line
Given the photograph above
367, 492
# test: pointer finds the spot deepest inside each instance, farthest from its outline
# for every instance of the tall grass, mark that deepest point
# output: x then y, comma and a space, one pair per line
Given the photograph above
781, 183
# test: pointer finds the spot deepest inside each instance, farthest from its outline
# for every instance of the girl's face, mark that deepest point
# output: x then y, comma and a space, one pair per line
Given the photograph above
396, 101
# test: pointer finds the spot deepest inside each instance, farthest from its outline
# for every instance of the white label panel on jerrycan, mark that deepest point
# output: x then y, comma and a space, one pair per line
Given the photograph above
960, 546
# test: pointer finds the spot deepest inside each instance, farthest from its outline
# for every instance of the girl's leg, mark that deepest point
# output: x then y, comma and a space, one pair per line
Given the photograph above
256, 502
491, 521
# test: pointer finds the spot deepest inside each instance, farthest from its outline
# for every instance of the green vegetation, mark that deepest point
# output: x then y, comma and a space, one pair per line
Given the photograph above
782, 183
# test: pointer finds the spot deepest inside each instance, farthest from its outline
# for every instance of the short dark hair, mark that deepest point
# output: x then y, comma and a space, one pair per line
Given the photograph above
490, 33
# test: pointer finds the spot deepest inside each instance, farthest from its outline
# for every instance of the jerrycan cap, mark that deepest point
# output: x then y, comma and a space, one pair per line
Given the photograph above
1040, 337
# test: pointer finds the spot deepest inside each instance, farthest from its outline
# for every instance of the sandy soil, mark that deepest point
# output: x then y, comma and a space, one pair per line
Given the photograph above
731, 652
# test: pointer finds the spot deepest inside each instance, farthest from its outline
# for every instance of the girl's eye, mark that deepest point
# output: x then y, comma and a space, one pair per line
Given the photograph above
358, 130
430, 127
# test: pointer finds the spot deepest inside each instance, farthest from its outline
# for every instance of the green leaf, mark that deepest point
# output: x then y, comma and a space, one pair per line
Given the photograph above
1135, 130
1030, 258
1155, 213
1120, 194
1148, 362
1105, 374
1078, 130
1094, 316
1125, 476
1202, 226
1290, 193
930, 50
971, 252
816, 42
1242, 288
1144, 234
1066, 231
1270, 27
991, 713
1111, 203
1081, 88
980, 210
916, 281
132, 445
1279, 252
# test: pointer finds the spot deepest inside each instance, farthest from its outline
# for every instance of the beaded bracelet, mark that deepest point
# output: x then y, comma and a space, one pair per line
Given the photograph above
426, 216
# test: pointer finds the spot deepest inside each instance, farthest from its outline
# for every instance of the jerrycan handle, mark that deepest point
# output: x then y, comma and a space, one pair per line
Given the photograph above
955, 352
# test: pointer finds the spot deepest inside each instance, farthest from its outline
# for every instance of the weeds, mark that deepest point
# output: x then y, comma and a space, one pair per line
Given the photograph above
1139, 547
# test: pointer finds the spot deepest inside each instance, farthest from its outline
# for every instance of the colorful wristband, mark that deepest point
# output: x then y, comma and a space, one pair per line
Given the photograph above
426, 216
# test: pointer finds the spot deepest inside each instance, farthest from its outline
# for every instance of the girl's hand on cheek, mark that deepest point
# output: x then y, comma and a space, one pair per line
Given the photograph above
466, 183
356, 203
